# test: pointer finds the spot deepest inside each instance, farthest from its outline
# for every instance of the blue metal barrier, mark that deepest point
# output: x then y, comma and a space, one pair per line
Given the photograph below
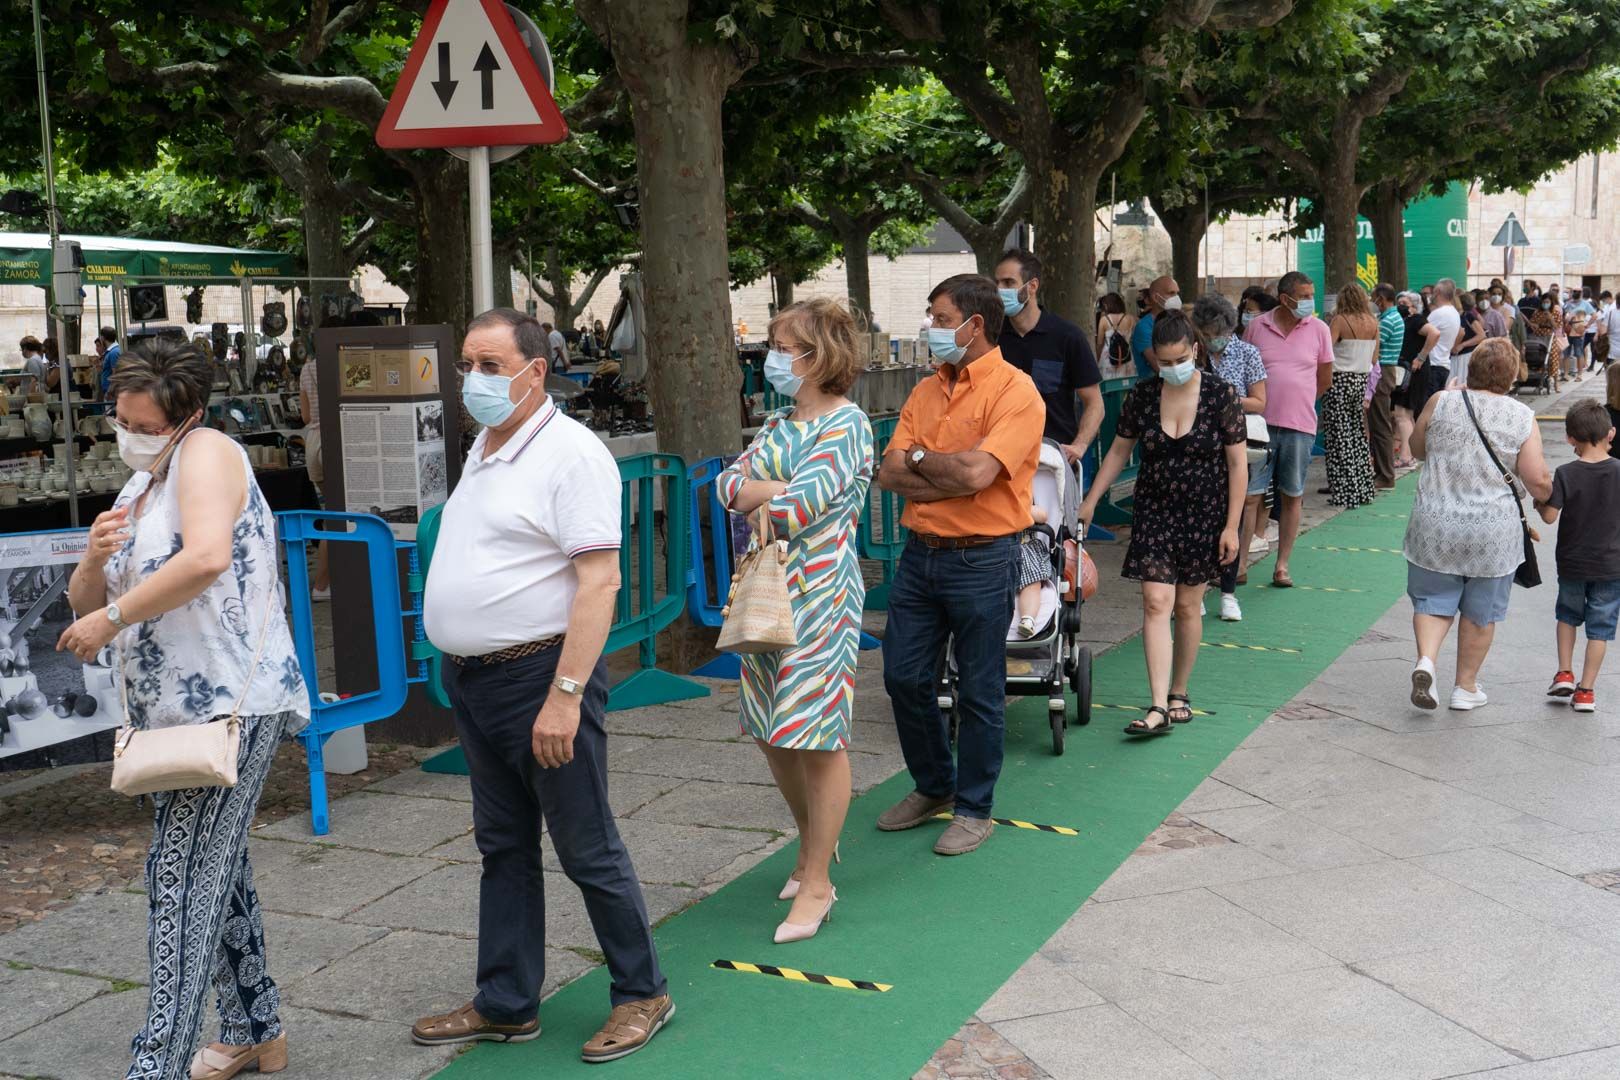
705, 598
880, 536
297, 529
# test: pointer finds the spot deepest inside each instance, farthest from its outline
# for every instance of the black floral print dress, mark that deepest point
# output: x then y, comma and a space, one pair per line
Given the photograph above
1181, 488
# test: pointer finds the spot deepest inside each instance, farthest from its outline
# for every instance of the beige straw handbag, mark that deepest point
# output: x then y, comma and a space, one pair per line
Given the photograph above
187, 756
758, 613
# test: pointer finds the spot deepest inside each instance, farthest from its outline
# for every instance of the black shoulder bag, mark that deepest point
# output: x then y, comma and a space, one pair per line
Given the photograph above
1529, 573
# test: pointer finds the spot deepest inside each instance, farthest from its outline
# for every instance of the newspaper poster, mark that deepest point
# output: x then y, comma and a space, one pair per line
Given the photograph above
54, 709
393, 461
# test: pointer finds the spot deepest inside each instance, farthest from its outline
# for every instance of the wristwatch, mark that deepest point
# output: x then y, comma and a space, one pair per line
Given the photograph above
568, 686
916, 458
115, 615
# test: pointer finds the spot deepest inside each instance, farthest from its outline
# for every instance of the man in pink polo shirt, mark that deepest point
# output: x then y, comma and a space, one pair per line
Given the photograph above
1297, 350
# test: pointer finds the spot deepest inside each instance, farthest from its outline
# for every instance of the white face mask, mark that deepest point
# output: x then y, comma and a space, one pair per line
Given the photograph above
143, 452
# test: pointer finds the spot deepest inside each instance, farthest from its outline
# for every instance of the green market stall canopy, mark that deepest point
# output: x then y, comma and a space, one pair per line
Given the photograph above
25, 259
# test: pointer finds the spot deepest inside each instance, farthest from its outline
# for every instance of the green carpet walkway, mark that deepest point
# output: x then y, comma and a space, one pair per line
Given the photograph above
946, 933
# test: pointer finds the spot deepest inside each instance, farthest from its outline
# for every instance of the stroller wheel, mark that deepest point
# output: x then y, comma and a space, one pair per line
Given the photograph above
1059, 722
1080, 681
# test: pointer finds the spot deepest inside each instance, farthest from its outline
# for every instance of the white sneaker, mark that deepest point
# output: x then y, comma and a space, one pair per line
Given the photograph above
1423, 684
1026, 626
1465, 700
320, 596
1230, 610
1259, 545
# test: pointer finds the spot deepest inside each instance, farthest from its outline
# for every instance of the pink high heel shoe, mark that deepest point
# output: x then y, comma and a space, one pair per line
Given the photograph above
792, 931
791, 889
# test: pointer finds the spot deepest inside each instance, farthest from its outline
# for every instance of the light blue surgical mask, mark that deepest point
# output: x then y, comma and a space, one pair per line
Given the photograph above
489, 397
1010, 303
942, 344
779, 372
1248, 317
1178, 374
1217, 345
1304, 309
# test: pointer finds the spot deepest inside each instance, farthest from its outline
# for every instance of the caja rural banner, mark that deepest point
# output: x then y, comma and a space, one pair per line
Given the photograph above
1436, 243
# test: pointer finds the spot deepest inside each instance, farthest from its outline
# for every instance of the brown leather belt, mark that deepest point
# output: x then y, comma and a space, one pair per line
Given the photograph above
501, 656
953, 543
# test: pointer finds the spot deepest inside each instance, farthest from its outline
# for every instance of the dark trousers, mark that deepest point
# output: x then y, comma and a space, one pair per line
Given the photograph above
495, 711
1381, 426
965, 595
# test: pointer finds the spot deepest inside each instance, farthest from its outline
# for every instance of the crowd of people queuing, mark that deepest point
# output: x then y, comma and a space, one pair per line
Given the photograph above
1227, 402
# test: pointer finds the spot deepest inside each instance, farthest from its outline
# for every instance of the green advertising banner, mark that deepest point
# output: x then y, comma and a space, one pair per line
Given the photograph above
25, 259
1436, 243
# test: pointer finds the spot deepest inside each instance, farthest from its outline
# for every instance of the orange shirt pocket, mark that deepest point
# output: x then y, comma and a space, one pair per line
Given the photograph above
959, 430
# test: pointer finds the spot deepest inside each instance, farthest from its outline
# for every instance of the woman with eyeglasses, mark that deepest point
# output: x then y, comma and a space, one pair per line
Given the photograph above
182, 574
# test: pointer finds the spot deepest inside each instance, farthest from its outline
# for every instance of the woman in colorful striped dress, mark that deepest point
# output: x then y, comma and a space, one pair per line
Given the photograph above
810, 467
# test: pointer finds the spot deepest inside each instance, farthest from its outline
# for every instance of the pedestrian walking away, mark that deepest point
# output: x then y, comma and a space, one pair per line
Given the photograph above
1297, 350
519, 598
1584, 495
809, 468
1465, 537
181, 574
1356, 339
1239, 365
1381, 430
1114, 329
963, 456
1446, 317
1189, 495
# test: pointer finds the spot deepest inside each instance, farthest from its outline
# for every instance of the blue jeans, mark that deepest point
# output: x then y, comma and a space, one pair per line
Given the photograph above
965, 595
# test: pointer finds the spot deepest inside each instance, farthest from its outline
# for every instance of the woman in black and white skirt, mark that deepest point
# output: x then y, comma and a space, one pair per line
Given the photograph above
1355, 347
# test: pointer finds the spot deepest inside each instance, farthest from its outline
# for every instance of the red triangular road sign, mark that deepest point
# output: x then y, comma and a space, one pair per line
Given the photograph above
470, 81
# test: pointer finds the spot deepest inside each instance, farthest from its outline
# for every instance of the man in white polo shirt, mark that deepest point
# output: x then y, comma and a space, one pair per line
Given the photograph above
519, 598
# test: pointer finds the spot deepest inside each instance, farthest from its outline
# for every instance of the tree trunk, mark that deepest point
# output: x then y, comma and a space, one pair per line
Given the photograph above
676, 87
1186, 226
562, 286
1341, 202
503, 276
1065, 202
856, 241
323, 234
443, 292
781, 288
1388, 216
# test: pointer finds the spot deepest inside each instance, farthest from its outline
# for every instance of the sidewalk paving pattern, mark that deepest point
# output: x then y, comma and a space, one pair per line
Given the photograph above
1359, 890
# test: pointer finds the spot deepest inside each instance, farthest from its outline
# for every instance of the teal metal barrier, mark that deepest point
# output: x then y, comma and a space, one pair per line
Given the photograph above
880, 535
1114, 506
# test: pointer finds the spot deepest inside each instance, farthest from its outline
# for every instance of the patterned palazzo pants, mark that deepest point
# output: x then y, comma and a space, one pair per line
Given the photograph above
205, 927
1344, 437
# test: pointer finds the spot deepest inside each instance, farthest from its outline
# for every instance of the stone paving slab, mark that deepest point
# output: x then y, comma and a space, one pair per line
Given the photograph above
1040, 986
103, 934
33, 996
1174, 871
706, 802
324, 1046
1526, 886
1595, 1065
685, 855
1287, 837
89, 1042
1429, 817
314, 879
1101, 1041
1580, 853
395, 824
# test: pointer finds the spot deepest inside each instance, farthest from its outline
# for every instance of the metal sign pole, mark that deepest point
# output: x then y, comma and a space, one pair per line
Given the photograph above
483, 248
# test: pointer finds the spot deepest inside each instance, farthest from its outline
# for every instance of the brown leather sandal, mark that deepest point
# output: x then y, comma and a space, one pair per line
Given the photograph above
629, 1027
466, 1024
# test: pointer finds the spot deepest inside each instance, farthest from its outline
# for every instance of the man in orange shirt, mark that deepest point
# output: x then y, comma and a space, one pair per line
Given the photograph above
963, 456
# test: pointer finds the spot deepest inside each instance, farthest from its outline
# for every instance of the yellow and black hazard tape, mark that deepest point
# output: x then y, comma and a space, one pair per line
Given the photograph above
1326, 588
1250, 648
1139, 708
794, 975
1372, 550
1061, 830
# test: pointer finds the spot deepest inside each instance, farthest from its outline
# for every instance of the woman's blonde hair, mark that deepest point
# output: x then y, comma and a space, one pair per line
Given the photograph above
1494, 366
832, 333
1352, 301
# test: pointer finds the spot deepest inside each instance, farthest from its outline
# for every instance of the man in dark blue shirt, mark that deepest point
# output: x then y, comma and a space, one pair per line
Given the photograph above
107, 348
1052, 351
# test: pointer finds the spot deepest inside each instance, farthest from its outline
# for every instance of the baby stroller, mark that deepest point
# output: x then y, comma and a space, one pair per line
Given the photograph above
1043, 663
1537, 352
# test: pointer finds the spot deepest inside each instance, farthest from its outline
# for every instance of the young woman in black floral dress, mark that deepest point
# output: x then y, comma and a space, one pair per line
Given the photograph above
1189, 495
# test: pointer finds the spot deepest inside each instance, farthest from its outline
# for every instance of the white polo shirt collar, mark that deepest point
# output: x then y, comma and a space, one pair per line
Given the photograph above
520, 439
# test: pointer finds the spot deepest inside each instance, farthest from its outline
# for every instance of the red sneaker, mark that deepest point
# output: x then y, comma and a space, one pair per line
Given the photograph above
1585, 700
1563, 684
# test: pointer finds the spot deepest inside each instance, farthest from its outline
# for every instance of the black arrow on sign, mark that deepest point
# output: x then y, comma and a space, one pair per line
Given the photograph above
444, 85
486, 65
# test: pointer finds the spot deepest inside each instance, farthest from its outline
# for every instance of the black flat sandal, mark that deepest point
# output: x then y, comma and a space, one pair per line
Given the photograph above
1140, 727
1180, 714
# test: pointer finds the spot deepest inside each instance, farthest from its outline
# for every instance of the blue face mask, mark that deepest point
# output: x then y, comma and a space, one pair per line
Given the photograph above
942, 344
1248, 317
489, 397
1010, 304
779, 371
1304, 309
1178, 374
1217, 345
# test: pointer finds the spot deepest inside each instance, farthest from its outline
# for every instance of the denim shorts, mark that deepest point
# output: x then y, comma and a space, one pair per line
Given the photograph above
1481, 600
1595, 603
1288, 458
